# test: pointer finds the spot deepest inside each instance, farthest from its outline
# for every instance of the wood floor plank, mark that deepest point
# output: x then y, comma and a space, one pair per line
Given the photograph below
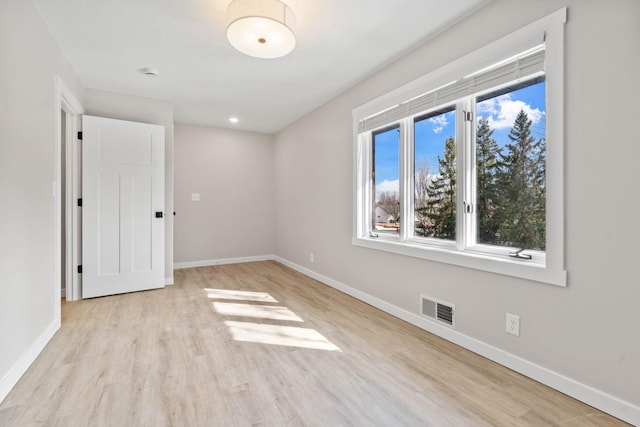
259, 344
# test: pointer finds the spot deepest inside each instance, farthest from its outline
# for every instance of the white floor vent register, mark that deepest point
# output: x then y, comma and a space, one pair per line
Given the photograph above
438, 310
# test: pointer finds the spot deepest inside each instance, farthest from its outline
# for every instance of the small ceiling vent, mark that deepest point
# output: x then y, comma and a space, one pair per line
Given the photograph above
150, 72
438, 310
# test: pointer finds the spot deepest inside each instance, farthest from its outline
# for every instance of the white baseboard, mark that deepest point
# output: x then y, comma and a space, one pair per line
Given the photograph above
17, 371
591, 396
210, 262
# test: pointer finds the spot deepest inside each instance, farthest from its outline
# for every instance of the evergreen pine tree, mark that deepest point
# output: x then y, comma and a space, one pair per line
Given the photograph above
487, 150
441, 206
521, 184
540, 192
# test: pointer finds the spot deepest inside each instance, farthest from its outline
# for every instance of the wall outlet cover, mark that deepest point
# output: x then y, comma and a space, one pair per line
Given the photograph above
513, 324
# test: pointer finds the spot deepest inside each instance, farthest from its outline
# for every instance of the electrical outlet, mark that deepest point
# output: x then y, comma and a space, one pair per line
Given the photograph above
513, 324
195, 197
312, 258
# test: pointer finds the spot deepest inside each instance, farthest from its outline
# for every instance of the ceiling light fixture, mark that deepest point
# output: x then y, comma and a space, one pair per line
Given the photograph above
234, 119
261, 28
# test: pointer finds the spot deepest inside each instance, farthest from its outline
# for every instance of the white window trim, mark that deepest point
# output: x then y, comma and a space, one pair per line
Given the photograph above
547, 267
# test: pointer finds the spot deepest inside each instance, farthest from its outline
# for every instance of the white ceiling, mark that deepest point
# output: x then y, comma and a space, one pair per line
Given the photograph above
339, 42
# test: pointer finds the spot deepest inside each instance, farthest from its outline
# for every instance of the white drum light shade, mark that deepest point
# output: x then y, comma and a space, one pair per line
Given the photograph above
261, 28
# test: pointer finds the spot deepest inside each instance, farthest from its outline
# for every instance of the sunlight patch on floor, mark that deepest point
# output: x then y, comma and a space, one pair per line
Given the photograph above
239, 295
264, 333
258, 311
290, 336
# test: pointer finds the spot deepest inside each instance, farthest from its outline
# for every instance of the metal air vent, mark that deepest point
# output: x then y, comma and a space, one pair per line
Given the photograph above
441, 311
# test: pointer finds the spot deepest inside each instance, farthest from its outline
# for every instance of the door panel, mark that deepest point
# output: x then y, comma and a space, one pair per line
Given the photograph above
141, 224
108, 198
123, 188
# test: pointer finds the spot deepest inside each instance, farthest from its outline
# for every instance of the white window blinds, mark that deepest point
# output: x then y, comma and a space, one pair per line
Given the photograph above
518, 68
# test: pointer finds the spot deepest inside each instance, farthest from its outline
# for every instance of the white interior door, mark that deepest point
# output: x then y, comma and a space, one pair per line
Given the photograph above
122, 206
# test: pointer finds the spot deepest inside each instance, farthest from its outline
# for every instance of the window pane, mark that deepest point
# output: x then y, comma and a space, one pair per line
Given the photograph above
386, 180
435, 175
510, 166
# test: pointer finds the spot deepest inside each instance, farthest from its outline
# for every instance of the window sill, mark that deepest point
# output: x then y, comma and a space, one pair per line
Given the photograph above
506, 266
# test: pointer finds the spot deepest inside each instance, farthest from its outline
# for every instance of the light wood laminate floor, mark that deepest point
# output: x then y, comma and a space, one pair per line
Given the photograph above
259, 344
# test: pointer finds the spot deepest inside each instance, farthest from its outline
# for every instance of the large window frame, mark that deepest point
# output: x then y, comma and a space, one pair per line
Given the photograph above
546, 267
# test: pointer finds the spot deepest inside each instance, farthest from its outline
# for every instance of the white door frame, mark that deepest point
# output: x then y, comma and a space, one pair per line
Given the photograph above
65, 100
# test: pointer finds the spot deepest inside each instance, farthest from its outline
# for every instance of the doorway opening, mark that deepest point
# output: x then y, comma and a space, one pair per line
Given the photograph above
66, 190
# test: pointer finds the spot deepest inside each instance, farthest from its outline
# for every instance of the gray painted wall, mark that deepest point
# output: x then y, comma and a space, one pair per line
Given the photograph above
233, 173
145, 110
30, 60
587, 331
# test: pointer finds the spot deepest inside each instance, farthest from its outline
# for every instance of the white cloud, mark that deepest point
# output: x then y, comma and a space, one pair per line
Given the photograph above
488, 106
502, 111
388, 187
439, 123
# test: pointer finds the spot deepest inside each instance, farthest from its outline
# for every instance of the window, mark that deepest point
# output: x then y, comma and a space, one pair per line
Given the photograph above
460, 165
510, 168
434, 174
385, 177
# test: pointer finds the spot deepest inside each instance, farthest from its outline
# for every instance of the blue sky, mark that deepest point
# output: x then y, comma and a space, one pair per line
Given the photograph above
432, 133
387, 165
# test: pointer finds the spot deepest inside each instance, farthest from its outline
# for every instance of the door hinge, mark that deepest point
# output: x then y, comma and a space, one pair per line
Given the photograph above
80, 269
80, 135
80, 202
468, 116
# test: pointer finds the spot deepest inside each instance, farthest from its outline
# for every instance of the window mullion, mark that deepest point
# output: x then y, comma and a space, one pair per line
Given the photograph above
471, 231
461, 173
406, 179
